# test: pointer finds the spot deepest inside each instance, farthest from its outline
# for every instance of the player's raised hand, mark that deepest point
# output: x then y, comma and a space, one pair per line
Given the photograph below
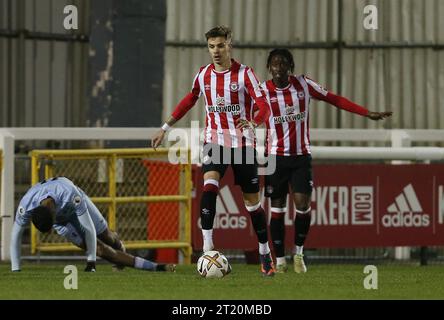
156, 140
379, 115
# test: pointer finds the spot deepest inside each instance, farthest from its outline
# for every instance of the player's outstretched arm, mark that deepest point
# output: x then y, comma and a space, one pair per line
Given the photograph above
379, 115
181, 109
319, 93
157, 139
15, 247
90, 236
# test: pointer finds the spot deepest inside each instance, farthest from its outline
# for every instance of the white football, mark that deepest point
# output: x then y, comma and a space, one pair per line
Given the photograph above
213, 264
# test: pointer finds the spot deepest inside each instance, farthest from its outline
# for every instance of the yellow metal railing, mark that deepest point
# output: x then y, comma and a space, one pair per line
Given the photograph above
49, 159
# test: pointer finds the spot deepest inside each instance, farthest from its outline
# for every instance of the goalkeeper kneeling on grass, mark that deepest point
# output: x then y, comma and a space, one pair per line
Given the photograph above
59, 203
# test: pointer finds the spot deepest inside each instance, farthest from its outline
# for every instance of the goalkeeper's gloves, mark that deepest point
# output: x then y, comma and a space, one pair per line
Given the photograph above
90, 266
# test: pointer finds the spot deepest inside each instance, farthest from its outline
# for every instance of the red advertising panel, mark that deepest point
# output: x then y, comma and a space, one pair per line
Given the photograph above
352, 206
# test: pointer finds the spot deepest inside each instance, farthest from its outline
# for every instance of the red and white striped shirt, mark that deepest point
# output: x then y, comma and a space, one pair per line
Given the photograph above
288, 131
229, 96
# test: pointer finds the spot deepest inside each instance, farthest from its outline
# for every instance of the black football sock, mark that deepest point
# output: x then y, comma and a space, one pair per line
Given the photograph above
277, 229
208, 206
301, 226
258, 219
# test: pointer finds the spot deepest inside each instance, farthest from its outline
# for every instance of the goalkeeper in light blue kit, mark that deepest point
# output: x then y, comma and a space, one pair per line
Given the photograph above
59, 203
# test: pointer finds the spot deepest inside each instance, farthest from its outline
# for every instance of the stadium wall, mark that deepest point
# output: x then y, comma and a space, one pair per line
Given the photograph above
53, 77
43, 67
44, 82
397, 67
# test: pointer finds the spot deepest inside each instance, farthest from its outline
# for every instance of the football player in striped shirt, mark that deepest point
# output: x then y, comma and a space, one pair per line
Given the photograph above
58, 203
288, 142
230, 90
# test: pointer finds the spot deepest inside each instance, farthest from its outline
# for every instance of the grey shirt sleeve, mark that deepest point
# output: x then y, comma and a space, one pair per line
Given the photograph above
90, 235
16, 242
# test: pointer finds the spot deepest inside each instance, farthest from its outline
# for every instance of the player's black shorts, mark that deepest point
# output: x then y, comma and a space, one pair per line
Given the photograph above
242, 161
293, 170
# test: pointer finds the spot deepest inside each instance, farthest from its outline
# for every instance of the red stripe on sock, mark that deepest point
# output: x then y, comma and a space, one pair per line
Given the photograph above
210, 188
277, 215
303, 215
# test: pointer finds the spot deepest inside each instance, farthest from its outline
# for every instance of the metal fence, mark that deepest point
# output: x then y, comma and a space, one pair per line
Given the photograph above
145, 199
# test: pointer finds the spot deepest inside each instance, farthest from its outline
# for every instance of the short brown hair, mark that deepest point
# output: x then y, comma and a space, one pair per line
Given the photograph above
219, 31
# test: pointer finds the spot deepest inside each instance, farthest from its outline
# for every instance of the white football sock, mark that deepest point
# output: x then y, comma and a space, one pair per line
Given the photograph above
299, 249
207, 240
144, 264
264, 248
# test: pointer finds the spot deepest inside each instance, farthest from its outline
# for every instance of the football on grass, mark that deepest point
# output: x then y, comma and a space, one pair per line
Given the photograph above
213, 264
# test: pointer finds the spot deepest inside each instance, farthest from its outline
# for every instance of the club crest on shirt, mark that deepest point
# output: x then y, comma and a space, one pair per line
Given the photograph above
77, 200
273, 99
234, 87
301, 95
21, 211
207, 87
269, 189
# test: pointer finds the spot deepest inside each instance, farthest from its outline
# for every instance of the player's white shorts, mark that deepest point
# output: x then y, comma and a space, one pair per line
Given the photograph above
73, 235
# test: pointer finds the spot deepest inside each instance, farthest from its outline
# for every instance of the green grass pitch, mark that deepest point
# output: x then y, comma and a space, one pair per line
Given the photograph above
45, 281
